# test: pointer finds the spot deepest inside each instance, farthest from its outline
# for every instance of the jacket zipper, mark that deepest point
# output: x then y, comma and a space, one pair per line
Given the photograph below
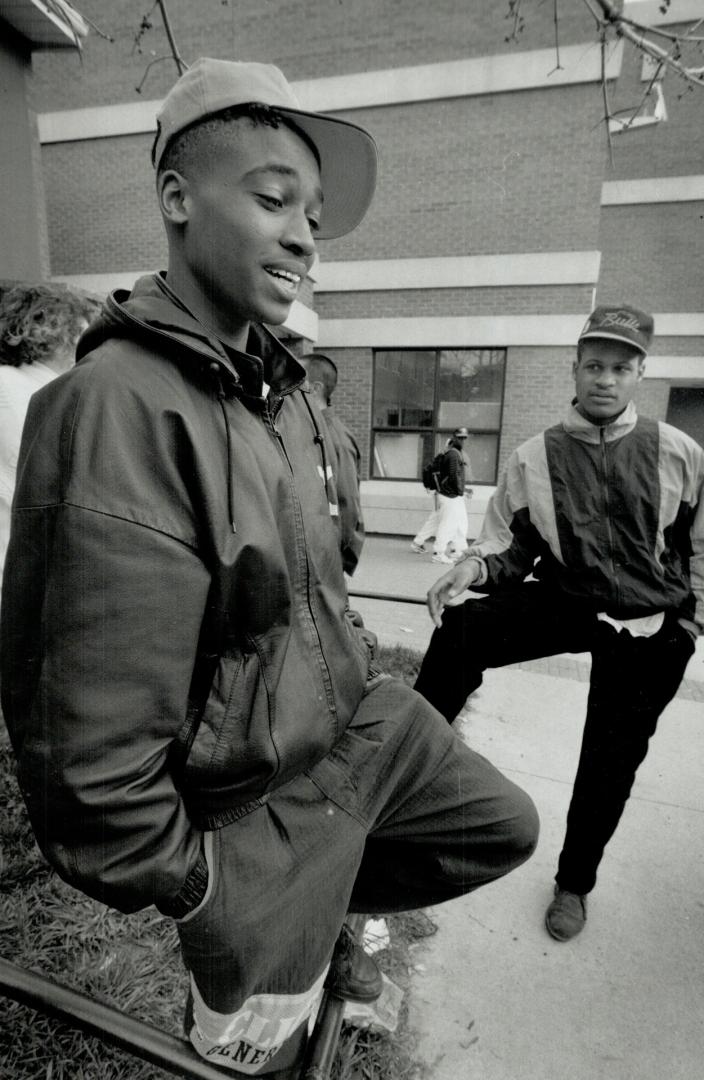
607, 511
272, 407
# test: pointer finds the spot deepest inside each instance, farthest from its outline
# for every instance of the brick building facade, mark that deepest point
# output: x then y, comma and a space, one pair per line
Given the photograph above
25, 29
499, 219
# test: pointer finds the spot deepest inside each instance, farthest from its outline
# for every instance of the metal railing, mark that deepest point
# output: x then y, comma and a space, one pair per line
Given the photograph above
386, 596
91, 1017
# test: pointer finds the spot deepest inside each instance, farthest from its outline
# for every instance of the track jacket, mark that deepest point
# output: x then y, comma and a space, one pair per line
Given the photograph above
613, 515
175, 642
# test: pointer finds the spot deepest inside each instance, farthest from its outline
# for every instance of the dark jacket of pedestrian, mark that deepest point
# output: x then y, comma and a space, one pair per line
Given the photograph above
347, 477
452, 470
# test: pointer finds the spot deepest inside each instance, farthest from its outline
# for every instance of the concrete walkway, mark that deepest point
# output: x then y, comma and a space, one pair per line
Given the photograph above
493, 996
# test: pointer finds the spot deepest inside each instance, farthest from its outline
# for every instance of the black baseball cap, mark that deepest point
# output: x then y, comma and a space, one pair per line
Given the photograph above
620, 322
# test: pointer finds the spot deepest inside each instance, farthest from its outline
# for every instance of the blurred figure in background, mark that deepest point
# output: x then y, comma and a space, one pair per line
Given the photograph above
447, 522
347, 460
39, 327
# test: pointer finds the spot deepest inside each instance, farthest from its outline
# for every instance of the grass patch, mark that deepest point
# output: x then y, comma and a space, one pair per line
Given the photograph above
133, 962
400, 661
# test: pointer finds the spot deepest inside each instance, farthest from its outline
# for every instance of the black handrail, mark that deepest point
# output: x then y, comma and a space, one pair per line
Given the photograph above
150, 1043
387, 596
107, 1023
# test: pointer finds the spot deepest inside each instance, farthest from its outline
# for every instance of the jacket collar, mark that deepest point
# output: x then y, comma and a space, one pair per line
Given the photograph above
580, 428
153, 310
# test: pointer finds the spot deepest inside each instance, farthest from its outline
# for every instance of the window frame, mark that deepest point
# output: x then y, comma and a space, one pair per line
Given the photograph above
435, 431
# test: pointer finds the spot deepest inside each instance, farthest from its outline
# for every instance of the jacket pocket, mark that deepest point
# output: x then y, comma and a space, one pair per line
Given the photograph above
209, 854
233, 756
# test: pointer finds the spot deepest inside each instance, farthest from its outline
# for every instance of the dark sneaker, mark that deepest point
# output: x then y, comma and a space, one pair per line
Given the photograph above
353, 975
566, 915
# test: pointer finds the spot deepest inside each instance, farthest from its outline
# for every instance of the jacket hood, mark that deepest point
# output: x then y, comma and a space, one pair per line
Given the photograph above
580, 428
152, 310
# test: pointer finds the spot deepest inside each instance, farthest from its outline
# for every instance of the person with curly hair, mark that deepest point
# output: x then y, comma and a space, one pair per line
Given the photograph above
39, 327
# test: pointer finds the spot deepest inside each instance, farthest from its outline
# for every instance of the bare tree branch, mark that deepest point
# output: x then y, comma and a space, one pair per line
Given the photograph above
556, 21
147, 24
180, 64
595, 14
514, 13
636, 33
611, 22
659, 32
605, 95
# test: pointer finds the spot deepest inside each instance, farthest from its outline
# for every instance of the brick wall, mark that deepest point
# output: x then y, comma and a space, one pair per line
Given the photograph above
527, 177
538, 390
102, 206
22, 219
653, 255
307, 39
520, 300
353, 396
652, 397
678, 346
500, 173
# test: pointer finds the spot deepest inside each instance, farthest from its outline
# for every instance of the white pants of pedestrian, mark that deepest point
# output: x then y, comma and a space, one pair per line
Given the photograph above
428, 528
452, 525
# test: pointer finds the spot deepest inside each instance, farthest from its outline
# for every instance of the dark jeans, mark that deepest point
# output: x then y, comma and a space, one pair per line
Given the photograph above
400, 814
632, 680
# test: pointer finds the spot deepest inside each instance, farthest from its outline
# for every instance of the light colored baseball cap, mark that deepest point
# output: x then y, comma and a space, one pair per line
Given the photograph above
348, 157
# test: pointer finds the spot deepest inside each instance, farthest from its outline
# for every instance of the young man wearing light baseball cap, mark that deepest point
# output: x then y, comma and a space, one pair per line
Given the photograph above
197, 721
605, 512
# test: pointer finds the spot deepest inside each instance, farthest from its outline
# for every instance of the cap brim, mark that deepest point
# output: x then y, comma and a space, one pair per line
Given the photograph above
348, 166
614, 337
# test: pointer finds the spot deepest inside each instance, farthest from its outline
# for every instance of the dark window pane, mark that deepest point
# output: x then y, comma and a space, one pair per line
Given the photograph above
404, 383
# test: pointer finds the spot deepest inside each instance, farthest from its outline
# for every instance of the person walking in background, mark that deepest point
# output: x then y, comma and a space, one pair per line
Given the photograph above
447, 522
217, 738
39, 327
322, 379
605, 512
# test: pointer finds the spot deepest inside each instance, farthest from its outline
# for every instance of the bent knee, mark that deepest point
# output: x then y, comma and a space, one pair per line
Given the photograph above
499, 846
524, 826
513, 835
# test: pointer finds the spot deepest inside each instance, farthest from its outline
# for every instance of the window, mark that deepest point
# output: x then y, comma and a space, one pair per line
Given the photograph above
685, 410
422, 395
